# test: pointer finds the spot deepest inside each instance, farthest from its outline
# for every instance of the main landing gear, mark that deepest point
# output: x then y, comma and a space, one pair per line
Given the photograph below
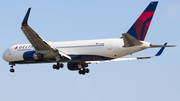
84, 71
12, 70
58, 66
83, 68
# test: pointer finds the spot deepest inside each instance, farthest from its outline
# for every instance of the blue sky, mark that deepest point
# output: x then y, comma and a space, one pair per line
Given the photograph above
65, 20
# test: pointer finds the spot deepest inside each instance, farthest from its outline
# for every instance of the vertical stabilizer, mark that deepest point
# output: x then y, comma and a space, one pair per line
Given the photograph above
139, 29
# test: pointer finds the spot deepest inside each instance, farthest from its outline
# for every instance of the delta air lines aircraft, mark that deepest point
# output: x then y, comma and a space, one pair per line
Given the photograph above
78, 54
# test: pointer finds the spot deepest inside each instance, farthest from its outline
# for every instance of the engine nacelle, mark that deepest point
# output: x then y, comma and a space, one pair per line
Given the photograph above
72, 66
32, 55
76, 65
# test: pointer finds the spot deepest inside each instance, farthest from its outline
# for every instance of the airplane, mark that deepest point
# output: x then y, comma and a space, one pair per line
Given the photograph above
79, 54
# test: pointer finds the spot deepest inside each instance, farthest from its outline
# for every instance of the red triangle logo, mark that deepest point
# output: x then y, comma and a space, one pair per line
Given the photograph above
15, 47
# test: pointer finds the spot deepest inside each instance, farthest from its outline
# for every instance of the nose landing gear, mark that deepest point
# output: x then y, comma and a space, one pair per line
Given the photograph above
12, 70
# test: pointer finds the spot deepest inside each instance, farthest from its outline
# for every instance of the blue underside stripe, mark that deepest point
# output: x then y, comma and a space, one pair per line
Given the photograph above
74, 58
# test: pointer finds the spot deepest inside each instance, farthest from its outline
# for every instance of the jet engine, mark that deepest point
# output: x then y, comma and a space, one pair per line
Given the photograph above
72, 66
76, 65
32, 55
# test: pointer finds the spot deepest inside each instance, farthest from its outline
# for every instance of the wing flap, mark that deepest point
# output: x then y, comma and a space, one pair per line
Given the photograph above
64, 55
89, 62
129, 58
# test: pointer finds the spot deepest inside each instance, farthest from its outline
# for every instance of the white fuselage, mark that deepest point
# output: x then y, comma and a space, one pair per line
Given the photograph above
85, 50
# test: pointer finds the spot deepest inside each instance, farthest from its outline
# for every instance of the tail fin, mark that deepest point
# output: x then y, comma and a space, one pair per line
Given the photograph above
139, 29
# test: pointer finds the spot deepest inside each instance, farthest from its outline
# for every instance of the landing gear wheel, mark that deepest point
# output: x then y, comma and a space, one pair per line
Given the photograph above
57, 67
12, 70
83, 72
54, 66
80, 72
87, 70
61, 65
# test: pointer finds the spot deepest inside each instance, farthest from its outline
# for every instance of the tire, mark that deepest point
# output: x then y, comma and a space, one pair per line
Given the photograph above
57, 67
12, 70
83, 72
61, 65
80, 72
87, 70
54, 66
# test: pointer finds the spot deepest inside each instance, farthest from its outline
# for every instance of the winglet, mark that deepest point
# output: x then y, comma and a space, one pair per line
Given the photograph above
24, 23
161, 50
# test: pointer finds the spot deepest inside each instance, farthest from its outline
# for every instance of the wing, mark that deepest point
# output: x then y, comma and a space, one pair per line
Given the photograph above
141, 57
38, 43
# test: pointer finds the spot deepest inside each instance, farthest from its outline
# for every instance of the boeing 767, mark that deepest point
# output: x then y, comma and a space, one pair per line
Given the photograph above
78, 54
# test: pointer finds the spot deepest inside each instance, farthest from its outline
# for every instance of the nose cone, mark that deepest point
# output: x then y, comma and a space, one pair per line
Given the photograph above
4, 56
